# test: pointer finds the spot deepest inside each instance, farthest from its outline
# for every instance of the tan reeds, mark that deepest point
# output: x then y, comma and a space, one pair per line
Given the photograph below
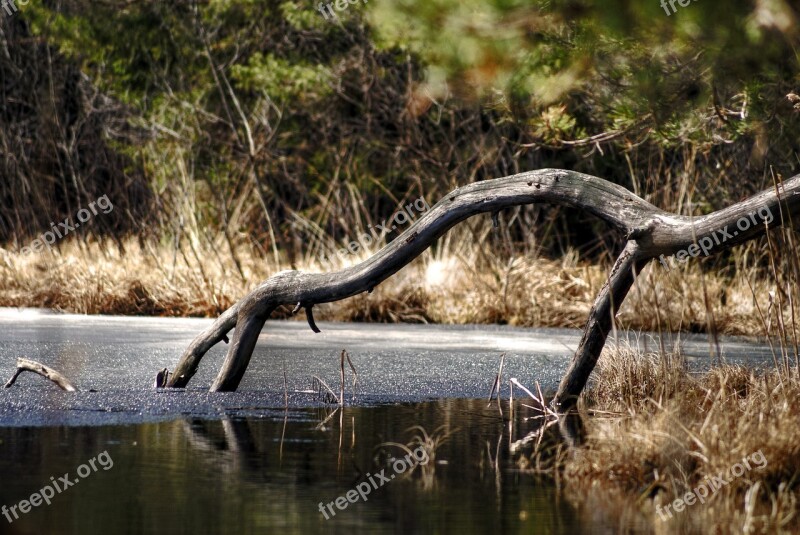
459, 285
658, 431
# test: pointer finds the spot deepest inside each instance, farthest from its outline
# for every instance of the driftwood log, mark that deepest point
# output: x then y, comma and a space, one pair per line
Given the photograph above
647, 230
27, 365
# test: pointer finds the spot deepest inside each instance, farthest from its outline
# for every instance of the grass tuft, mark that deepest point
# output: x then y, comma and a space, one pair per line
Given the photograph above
657, 432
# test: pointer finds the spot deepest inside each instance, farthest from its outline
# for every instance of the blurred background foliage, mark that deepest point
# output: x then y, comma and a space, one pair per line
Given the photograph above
262, 125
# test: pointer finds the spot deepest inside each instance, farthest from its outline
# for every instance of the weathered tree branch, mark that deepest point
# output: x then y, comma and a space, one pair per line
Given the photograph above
605, 307
649, 232
26, 365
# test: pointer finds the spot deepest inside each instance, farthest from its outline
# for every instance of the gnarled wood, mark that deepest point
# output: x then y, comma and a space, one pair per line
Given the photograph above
649, 231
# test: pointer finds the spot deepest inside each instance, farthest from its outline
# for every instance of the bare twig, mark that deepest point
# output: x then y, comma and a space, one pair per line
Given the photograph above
543, 407
323, 383
341, 376
346, 355
496, 383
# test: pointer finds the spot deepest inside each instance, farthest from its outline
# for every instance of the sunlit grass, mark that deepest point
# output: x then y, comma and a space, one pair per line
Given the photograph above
458, 282
655, 432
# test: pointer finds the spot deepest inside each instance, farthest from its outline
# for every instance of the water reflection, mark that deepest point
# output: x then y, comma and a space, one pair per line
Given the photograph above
270, 473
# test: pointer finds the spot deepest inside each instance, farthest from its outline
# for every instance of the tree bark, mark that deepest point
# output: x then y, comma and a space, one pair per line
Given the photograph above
648, 231
601, 316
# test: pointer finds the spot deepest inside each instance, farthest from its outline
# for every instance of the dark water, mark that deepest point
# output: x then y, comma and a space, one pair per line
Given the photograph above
189, 461
269, 475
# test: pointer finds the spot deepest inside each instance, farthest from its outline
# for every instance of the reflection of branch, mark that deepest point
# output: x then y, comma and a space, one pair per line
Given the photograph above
283, 432
326, 420
227, 452
26, 365
536, 435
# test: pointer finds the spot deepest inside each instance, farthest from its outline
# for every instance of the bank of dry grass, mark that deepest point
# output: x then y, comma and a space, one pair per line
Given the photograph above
655, 432
457, 283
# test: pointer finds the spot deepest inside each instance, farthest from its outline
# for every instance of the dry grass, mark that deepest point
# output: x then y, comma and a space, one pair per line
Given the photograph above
457, 283
657, 432
92, 279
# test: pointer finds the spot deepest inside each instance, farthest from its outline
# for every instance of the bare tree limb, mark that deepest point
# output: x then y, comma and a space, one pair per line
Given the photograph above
648, 231
606, 305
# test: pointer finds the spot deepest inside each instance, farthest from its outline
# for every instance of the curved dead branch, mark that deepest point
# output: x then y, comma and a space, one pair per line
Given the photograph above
27, 365
648, 230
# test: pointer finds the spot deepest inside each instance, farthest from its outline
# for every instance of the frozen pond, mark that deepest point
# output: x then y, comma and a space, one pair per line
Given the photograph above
187, 461
118, 358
